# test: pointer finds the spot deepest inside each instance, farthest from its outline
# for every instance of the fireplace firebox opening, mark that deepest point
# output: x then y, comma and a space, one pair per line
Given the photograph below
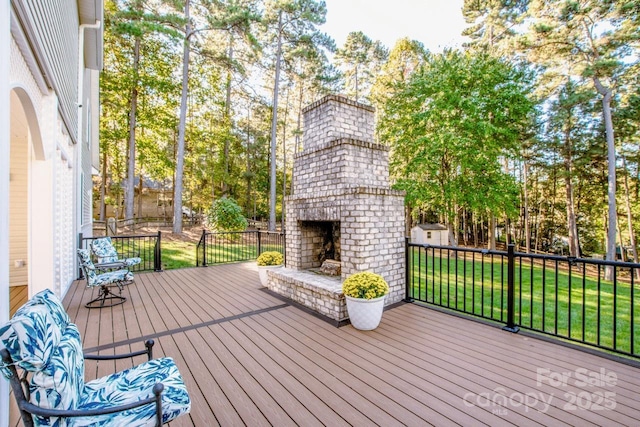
320, 242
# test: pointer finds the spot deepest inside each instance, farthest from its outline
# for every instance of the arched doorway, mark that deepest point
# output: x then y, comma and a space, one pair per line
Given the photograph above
25, 145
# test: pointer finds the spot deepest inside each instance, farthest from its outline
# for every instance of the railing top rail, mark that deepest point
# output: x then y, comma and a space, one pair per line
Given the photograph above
459, 248
572, 260
120, 236
207, 232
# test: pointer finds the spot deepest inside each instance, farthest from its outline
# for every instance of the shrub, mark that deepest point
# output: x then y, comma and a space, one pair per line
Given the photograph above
270, 258
365, 285
226, 215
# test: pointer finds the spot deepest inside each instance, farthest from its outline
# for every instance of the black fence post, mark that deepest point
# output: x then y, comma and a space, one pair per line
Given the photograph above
204, 247
407, 270
157, 254
511, 295
259, 243
80, 272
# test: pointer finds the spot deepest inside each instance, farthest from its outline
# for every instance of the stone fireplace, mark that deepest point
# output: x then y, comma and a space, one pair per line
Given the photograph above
341, 209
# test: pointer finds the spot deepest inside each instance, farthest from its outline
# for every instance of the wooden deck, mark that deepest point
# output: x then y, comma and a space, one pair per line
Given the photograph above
18, 295
249, 358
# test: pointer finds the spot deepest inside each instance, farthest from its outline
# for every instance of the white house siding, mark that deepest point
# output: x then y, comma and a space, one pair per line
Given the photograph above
54, 31
50, 251
64, 237
20, 75
40, 39
86, 182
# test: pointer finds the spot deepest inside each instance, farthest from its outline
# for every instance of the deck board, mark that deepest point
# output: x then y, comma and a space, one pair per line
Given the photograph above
18, 295
248, 358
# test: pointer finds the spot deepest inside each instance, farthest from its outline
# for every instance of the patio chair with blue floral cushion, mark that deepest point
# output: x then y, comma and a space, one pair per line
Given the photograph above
41, 341
108, 257
107, 280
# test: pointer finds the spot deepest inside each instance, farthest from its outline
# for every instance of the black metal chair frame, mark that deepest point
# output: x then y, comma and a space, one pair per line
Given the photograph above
104, 292
20, 388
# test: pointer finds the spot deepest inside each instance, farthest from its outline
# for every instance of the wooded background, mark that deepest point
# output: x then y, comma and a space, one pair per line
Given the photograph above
530, 129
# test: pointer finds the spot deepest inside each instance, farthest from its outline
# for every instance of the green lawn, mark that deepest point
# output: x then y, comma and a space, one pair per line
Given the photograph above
177, 254
552, 300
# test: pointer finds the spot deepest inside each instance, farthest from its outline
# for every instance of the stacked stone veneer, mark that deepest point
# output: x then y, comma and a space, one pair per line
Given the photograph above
320, 293
341, 176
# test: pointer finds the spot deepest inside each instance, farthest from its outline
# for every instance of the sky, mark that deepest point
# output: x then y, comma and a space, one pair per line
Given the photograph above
435, 23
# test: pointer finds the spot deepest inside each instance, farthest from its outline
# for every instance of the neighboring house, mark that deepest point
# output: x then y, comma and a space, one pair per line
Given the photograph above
430, 234
51, 57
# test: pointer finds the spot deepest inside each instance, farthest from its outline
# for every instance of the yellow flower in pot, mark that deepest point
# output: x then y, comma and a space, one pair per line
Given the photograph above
268, 261
365, 294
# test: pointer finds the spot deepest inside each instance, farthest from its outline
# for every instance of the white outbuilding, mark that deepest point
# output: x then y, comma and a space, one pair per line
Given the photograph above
431, 234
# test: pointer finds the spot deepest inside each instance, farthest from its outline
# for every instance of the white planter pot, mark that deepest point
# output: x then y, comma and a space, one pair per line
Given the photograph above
262, 271
365, 314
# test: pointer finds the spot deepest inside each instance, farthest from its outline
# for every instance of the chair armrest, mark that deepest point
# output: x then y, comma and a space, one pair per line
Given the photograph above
43, 412
110, 265
149, 352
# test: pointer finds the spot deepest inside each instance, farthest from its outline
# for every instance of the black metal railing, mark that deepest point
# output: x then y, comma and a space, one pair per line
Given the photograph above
147, 247
220, 248
588, 301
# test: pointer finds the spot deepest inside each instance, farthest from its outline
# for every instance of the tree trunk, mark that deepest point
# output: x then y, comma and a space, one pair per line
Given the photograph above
284, 157
491, 232
611, 160
456, 224
248, 174
474, 226
632, 234
574, 246
177, 189
453, 241
356, 77
227, 119
527, 229
298, 130
131, 161
623, 256
507, 221
140, 197
539, 219
274, 125
572, 228
464, 228
552, 210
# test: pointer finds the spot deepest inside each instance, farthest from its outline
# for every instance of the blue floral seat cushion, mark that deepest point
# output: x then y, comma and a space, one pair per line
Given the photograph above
106, 252
109, 277
112, 277
42, 340
135, 384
